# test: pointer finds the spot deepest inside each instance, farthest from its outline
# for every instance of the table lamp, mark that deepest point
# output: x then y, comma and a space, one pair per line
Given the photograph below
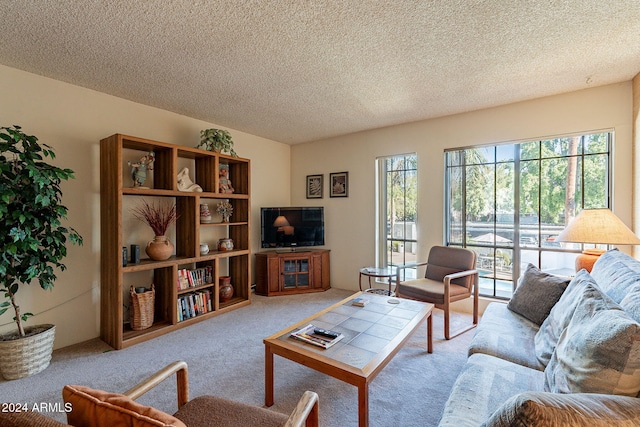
597, 226
280, 221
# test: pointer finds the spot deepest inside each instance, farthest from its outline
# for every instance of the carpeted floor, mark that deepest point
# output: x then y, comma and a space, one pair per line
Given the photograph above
225, 355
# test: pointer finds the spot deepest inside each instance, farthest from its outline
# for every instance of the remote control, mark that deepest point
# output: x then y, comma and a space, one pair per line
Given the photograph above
325, 333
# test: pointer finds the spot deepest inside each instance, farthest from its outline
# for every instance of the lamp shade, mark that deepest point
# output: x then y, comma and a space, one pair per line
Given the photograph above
598, 226
281, 221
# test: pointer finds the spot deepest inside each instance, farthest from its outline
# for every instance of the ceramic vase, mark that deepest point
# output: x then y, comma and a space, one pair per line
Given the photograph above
205, 214
159, 249
225, 244
226, 288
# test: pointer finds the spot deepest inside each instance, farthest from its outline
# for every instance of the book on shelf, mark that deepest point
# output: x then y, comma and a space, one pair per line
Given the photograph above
194, 304
308, 334
193, 278
360, 301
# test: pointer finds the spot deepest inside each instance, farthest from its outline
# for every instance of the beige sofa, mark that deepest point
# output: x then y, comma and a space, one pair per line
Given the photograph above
559, 353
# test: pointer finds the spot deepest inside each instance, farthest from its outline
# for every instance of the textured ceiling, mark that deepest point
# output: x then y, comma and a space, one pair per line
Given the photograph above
296, 70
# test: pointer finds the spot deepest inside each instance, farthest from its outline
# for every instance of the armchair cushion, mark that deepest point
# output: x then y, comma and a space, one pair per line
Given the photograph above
536, 294
431, 290
28, 419
97, 408
216, 411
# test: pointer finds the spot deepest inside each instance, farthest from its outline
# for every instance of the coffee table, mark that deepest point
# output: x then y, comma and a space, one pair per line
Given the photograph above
373, 335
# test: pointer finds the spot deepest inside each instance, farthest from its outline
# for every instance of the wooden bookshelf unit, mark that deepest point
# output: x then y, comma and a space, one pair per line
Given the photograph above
119, 229
289, 272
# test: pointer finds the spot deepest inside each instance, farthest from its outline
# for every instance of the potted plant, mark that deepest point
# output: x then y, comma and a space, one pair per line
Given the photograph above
217, 140
159, 217
33, 243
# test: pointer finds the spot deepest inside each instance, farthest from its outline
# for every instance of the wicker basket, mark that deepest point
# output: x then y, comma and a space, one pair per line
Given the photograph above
26, 356
142, 307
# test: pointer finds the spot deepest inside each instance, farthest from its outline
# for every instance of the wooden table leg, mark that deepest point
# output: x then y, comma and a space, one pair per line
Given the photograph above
363, 404
268, 376
430, 333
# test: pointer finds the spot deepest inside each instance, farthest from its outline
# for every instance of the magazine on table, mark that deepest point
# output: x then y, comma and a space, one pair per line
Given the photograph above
317, 336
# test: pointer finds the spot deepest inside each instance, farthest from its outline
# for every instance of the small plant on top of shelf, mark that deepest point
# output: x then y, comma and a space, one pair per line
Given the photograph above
217, 140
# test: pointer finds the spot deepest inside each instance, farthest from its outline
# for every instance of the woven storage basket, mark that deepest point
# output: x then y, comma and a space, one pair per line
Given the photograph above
142, 307
27, 356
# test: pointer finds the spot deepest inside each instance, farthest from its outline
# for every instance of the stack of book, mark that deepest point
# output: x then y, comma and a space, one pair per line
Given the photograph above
317, 336
194, 304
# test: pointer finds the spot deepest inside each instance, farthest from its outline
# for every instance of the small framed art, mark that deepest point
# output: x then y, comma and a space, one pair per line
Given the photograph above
314, 186
339, 182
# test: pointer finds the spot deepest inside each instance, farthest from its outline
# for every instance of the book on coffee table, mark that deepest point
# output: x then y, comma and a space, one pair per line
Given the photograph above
310, 335
360, 301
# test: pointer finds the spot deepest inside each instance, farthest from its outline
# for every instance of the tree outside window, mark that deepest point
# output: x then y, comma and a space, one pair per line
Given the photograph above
509, 202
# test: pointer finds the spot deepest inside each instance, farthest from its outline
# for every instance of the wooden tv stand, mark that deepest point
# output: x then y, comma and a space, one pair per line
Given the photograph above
286, 272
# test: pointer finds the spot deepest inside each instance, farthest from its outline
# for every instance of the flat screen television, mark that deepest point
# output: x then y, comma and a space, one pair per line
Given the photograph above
283, 227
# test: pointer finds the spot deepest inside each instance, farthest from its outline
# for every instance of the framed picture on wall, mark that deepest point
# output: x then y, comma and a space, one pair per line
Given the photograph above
314, 186
339, 184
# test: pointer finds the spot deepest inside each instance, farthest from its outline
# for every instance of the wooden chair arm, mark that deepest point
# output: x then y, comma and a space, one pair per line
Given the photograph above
305, 412
182, 382
450, 277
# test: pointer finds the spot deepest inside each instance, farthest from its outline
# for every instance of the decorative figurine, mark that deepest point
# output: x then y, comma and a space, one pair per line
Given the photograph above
139, 169
185, 183
225, 183
225, 209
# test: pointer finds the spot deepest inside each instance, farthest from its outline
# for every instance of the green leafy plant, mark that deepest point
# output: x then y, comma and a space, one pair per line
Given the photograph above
34, 241
217, 140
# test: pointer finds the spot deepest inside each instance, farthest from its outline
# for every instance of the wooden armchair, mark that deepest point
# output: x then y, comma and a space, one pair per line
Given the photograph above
450, 276
96, 408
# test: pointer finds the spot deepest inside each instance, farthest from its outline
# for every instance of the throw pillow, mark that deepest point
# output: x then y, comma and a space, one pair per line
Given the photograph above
598, 352
547, 336
536, 294
550, 409
97, 408
616, 273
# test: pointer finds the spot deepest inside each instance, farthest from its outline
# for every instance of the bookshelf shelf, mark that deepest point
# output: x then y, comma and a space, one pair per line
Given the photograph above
117, 231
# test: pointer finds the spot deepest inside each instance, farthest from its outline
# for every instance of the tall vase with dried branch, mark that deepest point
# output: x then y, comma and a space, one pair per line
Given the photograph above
159, 217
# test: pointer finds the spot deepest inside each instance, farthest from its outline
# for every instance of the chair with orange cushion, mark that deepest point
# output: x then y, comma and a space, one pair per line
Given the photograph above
97, 408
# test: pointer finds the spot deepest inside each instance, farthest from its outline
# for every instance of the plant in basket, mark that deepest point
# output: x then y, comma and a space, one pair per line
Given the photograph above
34, 243
159, 216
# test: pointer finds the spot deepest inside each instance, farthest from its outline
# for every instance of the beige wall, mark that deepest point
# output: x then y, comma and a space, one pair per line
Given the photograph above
73, 120
350, 221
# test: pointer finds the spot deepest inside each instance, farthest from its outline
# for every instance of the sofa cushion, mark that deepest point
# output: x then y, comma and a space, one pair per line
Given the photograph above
483, 385
631, 303
576, 410
97, 408
616, 273
558, 319
536, 294
598, 352
507, 335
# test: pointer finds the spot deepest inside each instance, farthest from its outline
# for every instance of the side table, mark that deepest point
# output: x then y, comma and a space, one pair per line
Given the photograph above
389, 273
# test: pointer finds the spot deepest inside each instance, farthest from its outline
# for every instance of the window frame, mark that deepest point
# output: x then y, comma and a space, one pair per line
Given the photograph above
384, 234
516, 245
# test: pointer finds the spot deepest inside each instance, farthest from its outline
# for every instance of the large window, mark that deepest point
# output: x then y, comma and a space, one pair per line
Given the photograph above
397, 210
509, 202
